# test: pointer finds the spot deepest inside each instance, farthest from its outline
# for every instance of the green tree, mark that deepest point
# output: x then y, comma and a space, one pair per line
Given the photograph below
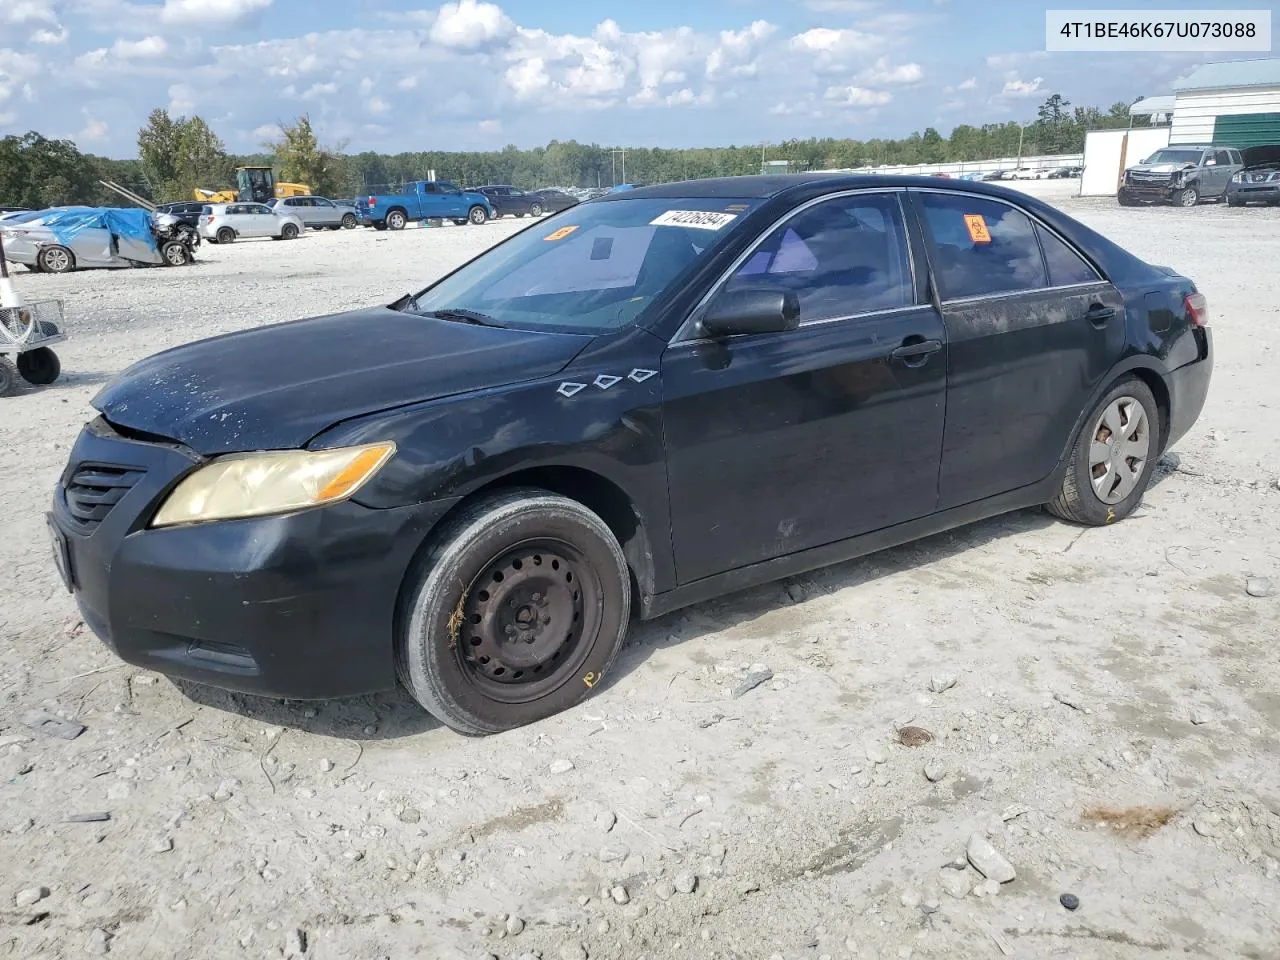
301, 159
179, 155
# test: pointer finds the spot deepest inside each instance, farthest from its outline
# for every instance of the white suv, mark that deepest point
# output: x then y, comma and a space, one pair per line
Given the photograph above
227, 222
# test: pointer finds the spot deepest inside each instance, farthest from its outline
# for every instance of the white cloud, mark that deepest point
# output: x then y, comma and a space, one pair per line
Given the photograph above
266, 132
144, 49
182, 99
93, 129
19, 12
881, 72
490, 126
377, 106
366, 86
320, 91
468, 25
211, 13
826, 50
969, 84
407, 83
737, 52
1015, 87
858, 96
50, 36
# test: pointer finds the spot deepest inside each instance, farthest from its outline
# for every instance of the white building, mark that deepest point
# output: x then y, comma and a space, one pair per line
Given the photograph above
1234, 103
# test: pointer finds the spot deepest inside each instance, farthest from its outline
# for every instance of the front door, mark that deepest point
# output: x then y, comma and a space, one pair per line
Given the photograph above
323, 213
784, 441
1032, 329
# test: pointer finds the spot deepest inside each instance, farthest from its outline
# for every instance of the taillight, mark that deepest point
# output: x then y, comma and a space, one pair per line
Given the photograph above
209, 218
1197, 309
373, 201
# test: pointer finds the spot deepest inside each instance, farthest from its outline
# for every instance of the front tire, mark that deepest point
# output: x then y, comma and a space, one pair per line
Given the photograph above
348, 221
289, 232
514, 613
1187, 197
535, 210
174, 254
39, 367
477, 216
1111, 463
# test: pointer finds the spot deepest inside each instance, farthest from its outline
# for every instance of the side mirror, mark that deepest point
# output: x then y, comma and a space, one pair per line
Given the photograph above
752, 310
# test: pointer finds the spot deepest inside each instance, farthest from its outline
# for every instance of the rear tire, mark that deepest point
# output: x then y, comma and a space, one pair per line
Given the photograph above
289, 232
396, 220
39, 366
1108, 454
514, 613
56, 258
226, 235
535, 210
8, 377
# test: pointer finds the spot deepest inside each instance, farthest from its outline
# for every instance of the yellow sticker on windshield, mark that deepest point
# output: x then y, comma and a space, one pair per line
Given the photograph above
561, 233
978, 231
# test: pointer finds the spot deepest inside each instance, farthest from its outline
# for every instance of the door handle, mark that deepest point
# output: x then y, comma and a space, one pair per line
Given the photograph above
1098, 314
916, 354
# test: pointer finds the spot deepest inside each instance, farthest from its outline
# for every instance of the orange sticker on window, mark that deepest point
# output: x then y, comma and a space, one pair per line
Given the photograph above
978, 231
561, 233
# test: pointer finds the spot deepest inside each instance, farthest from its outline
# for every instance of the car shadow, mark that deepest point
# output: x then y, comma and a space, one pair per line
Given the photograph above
394, 714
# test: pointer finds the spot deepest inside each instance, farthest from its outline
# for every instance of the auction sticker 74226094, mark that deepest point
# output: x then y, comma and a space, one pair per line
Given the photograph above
701, 219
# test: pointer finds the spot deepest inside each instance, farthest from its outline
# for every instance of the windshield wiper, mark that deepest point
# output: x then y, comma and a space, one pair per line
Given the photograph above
463, 316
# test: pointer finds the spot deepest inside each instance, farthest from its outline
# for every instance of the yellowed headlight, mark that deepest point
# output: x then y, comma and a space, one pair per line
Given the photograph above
259, 484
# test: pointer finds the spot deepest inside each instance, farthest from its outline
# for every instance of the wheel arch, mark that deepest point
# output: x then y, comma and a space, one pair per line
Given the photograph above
599, 494
1141, 367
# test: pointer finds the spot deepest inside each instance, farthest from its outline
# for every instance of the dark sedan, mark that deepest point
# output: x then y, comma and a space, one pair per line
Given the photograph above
508, 201
650, 400
555, 201
185, 210
1259, 181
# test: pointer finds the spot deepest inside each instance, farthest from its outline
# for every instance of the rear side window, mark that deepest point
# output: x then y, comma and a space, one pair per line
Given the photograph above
1065, 265
981, 247
842, 257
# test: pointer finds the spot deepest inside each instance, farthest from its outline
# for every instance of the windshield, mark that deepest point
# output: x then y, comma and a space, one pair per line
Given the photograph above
1175, 156
594, 268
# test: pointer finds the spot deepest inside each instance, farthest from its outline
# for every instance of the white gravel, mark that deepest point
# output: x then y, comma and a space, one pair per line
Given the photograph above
796, 852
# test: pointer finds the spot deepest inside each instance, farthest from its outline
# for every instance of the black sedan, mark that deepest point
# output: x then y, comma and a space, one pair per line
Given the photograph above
187, 211
555, 201
508, 201
652, 399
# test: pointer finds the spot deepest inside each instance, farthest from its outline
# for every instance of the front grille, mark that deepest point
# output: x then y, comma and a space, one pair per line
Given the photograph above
95, 488
1138, 176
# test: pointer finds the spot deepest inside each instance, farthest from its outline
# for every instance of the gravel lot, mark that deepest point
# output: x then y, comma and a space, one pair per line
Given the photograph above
1113, 729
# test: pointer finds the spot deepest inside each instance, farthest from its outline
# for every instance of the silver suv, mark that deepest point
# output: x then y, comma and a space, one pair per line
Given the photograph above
1182, 175
227, 222
317, 212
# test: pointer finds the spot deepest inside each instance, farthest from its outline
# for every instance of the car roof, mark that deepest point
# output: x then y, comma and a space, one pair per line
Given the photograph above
768, 186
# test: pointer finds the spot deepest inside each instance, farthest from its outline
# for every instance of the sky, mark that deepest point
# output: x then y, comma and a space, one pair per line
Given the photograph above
394, 75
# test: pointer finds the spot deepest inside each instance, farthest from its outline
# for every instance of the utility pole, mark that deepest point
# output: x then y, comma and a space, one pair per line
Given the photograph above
1021, 130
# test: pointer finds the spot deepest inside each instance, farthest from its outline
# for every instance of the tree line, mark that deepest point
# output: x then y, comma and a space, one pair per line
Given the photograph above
176, 155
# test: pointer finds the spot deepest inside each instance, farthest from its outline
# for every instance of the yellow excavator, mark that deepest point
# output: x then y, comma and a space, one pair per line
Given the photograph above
253, 185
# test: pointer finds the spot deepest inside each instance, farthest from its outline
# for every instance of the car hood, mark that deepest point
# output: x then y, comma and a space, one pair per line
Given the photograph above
1265, 156
1162, 167
276, 387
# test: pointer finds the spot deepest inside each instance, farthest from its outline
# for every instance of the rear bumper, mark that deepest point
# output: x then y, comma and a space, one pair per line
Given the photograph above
1188, 387
299, 606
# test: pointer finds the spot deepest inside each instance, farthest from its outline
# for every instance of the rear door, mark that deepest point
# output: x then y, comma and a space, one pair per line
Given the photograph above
784, 441
1032, 330
323, 213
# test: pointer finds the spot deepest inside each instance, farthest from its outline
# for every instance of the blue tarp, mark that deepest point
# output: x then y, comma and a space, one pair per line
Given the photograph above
125, 224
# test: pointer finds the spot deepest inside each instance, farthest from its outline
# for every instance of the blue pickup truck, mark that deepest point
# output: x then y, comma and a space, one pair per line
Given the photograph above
424, 200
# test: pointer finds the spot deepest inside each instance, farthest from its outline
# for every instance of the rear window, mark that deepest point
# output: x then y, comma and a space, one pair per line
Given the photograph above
981, 247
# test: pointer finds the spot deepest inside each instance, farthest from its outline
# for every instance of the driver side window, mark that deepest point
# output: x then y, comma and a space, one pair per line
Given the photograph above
842, 257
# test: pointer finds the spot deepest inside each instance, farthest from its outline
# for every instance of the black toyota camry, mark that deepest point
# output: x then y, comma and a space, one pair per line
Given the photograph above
648, 400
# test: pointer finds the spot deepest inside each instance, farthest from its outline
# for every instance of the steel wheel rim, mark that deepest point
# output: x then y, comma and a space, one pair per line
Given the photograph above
525, 625
1119, 449
395, 221
55, 261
